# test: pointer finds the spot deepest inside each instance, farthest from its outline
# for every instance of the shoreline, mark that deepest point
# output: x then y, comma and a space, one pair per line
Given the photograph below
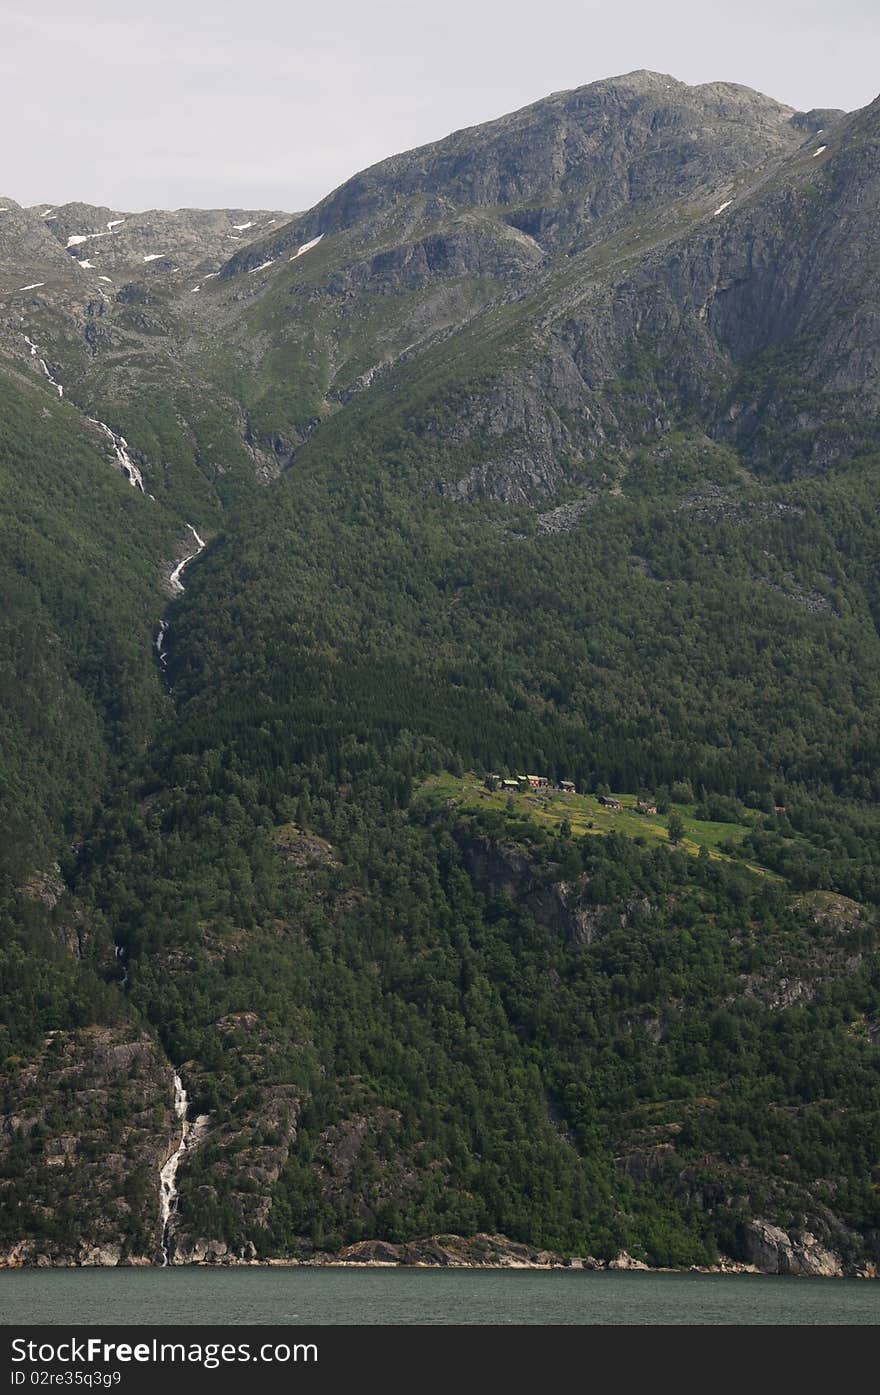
732, 1269
484, 1251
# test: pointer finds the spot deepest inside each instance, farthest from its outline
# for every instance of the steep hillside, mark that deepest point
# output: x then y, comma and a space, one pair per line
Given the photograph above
551, 448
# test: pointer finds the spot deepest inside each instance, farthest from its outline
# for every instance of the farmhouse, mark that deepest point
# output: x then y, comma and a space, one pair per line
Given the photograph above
567, 785
645, 806
610, 803
538, 782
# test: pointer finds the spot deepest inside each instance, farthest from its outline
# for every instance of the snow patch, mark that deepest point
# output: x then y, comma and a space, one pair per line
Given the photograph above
154, 257
722, 208
87, 265
115, 223
47, 212
271, 262
306, 247
35, 285
77, 239
106, 278
819, 151
240, 227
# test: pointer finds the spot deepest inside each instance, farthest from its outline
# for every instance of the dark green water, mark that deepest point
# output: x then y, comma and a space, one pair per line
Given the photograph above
397, 1296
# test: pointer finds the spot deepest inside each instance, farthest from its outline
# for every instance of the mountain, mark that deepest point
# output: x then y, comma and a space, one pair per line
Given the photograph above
550, 447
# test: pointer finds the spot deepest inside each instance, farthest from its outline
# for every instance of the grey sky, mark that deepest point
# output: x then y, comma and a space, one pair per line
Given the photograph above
169, 103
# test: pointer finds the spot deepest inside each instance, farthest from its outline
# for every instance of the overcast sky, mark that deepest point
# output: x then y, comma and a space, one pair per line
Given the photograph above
271, 103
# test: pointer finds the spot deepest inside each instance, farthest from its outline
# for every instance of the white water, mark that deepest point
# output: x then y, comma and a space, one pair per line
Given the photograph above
119, 443
120, 446
190, 1135
174, 578
160, 643
178, 586
120, 958
35, 353
168, 1174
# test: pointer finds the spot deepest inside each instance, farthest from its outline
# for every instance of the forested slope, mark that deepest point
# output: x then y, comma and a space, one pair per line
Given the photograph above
519, 453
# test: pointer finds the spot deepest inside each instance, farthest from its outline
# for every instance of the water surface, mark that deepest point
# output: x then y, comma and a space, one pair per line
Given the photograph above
436, 1296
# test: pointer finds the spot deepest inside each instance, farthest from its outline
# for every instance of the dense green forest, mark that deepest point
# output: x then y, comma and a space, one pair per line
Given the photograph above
451, 1057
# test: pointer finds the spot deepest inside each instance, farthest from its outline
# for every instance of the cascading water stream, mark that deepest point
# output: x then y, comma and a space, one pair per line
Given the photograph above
160, 644
35, 353
190, 1135
175, 576
120, 446
120, 959
177, 585
119, 443
168, 1174
135, 479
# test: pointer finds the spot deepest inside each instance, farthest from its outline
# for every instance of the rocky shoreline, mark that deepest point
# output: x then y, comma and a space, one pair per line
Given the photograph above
772, 1252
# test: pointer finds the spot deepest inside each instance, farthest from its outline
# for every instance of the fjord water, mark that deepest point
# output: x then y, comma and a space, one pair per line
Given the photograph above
435, 1296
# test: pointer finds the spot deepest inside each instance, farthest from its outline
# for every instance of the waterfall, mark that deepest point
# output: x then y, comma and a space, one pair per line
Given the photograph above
160, 643
120, 959
119, 443
168, 1174
44, 365
190, 1135
177, 585
120, 446
174, 578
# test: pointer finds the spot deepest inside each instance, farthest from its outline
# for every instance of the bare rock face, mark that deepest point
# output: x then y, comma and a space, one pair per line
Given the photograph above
78, 1186
574, 157
626, 1261
46, 886
459, 1252
773, 1251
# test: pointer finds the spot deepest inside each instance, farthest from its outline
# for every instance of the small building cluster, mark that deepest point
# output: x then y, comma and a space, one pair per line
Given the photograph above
518, 783
532, 782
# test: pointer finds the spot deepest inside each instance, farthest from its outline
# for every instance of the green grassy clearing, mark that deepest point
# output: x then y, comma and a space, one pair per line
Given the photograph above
587, 815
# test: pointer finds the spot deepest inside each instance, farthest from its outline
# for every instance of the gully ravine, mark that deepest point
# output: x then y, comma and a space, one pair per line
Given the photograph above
190, 1132
136, 480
